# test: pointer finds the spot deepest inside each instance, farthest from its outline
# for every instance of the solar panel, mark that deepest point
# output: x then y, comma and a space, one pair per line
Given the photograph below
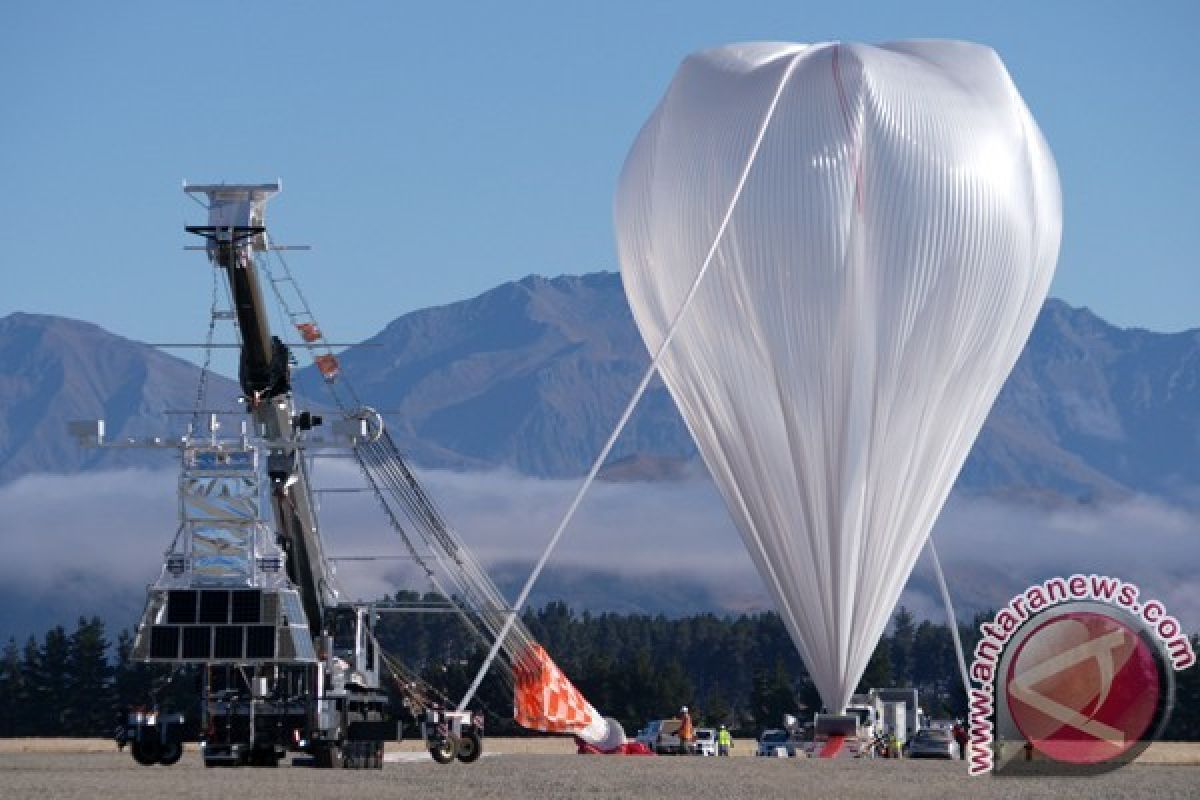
164, 641
197, 642
181, 607
227, 643
214, 607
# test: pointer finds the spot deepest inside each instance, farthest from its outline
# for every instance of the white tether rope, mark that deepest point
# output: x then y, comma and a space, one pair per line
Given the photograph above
951, 619
637, 395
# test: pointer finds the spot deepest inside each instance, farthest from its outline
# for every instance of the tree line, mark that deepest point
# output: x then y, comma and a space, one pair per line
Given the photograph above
70, 684
742, 671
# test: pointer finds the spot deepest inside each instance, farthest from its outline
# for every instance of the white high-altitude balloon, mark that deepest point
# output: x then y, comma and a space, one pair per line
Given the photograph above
880, 226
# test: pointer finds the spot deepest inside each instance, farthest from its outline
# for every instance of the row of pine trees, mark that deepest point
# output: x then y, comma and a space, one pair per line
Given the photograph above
740, 671
69, 684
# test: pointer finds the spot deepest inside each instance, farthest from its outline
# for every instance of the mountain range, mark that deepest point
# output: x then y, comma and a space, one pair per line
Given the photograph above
529, 377
532, 374
54, 370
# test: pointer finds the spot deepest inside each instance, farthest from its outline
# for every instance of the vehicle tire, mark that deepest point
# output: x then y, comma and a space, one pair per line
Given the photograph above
470, 748
328, 757
171, 753
443, 753
146, 752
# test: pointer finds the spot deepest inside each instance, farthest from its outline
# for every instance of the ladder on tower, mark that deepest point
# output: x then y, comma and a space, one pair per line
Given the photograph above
300, 316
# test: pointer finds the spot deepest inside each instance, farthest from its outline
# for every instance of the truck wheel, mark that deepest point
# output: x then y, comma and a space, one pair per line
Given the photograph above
470, 747
443, 753
146, 752
328, 757
171, 753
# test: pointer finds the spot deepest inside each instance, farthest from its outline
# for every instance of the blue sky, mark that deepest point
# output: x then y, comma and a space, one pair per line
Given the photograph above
431, 151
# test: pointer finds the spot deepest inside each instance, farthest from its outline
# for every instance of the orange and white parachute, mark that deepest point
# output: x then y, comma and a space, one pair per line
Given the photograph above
546, 700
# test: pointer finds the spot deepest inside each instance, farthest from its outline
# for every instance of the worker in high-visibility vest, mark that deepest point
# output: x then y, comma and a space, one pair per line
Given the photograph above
724, 742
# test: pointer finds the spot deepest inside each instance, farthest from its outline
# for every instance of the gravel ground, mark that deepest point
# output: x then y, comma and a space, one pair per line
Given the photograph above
87, 776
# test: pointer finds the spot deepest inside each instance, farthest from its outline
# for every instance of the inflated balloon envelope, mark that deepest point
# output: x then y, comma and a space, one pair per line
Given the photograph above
877, 228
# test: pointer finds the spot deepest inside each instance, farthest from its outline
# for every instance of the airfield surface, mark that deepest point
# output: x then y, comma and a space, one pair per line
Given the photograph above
84, 773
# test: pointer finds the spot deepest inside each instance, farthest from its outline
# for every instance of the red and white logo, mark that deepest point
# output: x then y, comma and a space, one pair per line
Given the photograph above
1076, 671
1083, 687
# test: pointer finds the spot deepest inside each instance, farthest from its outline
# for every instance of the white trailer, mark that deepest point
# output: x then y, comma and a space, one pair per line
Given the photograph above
895, 720
913, 715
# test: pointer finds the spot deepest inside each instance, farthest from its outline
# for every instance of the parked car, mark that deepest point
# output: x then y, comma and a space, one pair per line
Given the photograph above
773, 739
706, 742
931, 743
649, 734
662, 736
653, 732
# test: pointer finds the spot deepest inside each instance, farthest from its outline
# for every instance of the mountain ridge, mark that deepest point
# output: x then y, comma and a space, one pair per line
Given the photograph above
1083, 416
57, 369
532, 374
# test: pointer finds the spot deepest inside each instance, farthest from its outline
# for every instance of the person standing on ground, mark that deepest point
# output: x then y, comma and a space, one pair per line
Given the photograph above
724, 742
686, 731
960, 736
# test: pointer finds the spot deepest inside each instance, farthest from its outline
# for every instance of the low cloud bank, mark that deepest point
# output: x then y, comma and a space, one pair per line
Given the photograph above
991, 550
89, 543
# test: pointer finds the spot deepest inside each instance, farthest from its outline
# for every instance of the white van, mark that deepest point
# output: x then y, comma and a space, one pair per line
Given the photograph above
706, 742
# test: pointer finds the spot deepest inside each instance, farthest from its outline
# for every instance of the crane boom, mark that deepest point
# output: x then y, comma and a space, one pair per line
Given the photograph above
235, 231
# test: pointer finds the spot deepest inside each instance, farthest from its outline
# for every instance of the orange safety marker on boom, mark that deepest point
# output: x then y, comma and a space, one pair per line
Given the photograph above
328, 365
309, 331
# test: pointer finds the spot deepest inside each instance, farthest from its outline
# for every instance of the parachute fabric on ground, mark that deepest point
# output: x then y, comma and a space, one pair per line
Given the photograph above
877, 280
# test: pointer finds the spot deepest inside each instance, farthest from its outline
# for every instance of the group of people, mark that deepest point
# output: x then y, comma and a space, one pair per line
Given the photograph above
886, 744
687, 734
